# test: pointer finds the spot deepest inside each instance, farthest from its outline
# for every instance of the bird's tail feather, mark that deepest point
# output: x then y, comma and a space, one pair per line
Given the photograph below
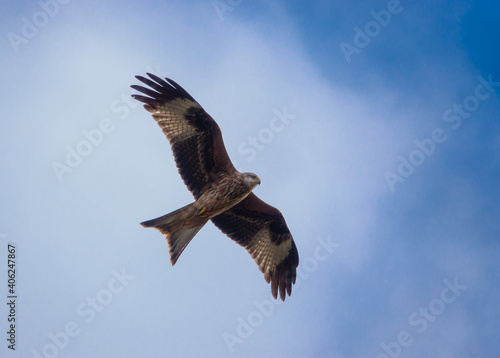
180, 226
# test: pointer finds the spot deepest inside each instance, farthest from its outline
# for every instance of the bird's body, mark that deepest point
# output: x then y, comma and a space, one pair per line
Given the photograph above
219, 196
223, 194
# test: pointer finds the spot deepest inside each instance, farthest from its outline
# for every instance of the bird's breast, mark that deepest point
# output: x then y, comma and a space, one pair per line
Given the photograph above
221, 196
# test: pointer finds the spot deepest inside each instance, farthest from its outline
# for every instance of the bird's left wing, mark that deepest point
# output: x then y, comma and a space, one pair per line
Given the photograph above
194, 136
262, 230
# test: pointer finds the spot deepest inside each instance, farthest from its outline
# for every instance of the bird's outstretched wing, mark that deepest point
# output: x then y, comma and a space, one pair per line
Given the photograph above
262, 230
194, 136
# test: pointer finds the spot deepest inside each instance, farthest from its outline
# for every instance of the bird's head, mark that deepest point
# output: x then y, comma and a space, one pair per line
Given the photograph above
252, 180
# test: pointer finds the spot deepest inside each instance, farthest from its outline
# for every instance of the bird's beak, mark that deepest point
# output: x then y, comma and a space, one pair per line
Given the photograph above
257, 181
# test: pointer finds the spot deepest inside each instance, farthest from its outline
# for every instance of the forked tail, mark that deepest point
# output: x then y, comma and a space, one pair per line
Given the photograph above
180, 227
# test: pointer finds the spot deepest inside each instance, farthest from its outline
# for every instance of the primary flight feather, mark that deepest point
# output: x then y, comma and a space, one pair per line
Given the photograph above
223, 194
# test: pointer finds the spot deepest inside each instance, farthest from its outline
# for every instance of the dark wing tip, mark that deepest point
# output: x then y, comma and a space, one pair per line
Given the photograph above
164, 90
285, 274
158, 79
148, 100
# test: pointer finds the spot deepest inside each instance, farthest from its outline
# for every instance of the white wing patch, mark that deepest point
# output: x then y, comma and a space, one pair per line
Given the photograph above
172, 121
267, 254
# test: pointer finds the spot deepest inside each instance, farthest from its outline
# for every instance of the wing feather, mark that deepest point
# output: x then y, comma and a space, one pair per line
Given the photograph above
194, 136
261, 229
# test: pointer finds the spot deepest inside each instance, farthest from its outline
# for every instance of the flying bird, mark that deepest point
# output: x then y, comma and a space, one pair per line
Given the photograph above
222, 194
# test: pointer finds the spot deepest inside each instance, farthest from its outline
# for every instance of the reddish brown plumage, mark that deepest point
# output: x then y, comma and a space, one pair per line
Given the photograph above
222, 194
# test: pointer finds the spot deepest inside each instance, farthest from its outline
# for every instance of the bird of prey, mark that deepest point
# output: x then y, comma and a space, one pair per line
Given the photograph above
222, 194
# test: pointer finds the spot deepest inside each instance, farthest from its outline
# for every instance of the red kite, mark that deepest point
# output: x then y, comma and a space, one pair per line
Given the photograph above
223, 194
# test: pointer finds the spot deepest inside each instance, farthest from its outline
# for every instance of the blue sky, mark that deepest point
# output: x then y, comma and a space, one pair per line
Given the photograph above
385, 166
